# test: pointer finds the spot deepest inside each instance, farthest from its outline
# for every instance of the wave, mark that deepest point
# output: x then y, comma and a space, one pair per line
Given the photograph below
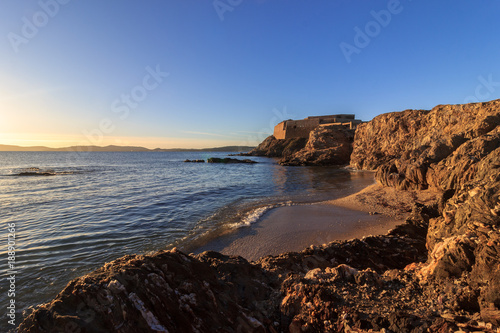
227, 220
255, 214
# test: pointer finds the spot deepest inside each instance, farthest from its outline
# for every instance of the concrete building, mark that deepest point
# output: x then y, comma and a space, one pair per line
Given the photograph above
300, 128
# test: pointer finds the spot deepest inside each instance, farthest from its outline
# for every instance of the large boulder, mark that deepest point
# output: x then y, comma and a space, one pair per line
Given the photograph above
327, 145
272, 147
165, 292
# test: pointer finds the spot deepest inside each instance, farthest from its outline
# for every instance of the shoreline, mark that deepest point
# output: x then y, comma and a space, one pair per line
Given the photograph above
437, 272
297, 227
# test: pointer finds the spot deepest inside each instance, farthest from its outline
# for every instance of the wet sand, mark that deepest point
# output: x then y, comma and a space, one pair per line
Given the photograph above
372, 211
294, 228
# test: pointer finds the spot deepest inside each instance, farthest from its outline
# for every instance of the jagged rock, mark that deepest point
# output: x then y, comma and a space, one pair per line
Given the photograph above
403, 145
384, 138
450, 258
473, 205
194, 161
165, 292
272, 147
229, 160
327, 145
455, 149
471, 223
459, 167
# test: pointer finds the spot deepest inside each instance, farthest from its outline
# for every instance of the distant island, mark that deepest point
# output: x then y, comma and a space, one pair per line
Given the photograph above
122, 149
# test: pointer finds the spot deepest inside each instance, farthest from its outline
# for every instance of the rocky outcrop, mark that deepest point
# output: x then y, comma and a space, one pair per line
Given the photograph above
229, 160
327, 145
464, 242
194, 161
455, 149
165, 292
404, 146
272, 147
460, 167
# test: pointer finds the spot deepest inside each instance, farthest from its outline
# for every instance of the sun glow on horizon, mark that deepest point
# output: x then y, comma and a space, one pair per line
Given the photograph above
62, 141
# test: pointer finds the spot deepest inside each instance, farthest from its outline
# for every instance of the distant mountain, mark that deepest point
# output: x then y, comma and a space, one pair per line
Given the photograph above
121, 149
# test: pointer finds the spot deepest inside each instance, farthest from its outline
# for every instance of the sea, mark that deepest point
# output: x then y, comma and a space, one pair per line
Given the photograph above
65, 214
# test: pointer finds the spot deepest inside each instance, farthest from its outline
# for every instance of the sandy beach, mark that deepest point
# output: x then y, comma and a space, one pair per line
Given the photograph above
387, 201
294, 228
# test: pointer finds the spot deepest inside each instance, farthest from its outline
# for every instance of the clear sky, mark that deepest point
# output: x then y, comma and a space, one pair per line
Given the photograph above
165, 73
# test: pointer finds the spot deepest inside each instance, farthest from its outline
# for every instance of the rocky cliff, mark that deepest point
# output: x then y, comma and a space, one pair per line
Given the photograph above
456, 149
272, 147
326, 145
406, 148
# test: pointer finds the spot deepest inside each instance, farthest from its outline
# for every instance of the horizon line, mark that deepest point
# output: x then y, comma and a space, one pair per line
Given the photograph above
117, 146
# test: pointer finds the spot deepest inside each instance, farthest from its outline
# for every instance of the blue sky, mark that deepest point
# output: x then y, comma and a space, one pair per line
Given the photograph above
211, 73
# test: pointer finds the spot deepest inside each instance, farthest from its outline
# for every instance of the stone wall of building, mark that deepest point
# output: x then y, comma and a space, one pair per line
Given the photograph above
290, 129
299, 128
280, 131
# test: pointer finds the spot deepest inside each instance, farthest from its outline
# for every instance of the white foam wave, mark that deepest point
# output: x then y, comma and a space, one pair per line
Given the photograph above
255, 214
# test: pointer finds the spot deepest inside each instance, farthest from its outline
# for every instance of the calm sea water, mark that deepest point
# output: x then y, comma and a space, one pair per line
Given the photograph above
74, 212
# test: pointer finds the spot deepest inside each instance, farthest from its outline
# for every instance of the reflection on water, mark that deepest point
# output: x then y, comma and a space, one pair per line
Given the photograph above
319, 181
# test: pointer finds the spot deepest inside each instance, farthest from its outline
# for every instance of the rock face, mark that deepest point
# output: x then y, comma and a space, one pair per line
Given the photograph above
165, 292
455, 149
327, 145
464, 242
405, 147
272, 147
